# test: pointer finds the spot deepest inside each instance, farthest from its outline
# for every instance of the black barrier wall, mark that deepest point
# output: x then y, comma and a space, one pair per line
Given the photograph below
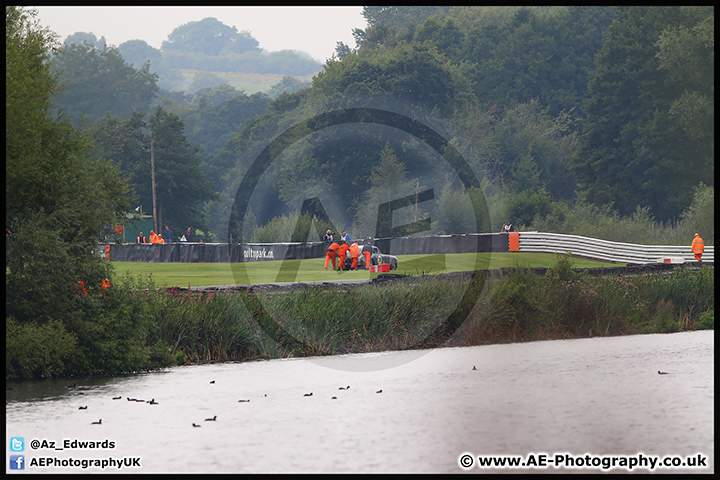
253, 252
470, 243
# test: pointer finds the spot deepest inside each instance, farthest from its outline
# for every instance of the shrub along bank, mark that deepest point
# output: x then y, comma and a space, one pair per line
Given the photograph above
517, 306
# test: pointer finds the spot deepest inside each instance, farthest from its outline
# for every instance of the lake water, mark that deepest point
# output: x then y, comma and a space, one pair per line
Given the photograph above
413, 411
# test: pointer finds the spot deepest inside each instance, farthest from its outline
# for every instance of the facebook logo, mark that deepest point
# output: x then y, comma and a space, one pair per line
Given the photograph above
17, 444
17, 462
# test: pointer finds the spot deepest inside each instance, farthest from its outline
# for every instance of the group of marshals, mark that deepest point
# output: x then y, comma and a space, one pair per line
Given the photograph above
337, 251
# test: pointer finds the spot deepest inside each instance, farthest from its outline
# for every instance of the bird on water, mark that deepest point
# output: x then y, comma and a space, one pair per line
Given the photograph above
99, 422
211, 419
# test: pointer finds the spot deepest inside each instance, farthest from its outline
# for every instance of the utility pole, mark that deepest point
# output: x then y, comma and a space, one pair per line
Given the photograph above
417, 194
154, 194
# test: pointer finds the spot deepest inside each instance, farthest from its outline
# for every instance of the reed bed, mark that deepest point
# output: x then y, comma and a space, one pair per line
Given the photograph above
517, 306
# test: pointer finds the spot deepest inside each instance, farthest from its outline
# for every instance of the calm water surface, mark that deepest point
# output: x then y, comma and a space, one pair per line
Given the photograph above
600, 396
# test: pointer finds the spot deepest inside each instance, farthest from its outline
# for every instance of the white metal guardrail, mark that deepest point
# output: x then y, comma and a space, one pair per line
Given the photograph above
609, 251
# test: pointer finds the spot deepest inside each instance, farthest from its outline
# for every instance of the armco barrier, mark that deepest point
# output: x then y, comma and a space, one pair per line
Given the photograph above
606, 250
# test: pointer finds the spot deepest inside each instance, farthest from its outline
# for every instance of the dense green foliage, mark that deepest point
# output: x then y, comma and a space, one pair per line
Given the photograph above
641, 147
59, 319
180, 185
215, 120
99, 81
209, 36
512, 87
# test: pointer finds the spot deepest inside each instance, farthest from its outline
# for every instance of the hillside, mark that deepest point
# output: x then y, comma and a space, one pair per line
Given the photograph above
250, 83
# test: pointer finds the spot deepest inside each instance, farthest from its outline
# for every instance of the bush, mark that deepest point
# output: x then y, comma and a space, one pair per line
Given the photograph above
563, 268
526, 205
706, 321
35, 350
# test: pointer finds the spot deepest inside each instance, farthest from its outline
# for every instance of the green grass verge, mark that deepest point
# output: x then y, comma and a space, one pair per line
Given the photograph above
209, 274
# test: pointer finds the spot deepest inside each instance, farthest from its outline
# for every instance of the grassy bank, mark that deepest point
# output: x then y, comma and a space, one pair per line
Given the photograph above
160, 328
519, 306
312, 270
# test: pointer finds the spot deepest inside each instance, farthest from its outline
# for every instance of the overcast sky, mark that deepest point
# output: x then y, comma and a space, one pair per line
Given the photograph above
314, 30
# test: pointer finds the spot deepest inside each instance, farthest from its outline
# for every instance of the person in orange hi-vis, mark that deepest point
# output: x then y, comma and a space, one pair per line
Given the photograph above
698, 247
354, 254
153, 237
331, 254
342, 251
367, 251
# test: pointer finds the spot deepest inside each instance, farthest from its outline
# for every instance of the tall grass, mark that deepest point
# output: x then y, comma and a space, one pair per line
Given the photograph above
523, 306
517, 306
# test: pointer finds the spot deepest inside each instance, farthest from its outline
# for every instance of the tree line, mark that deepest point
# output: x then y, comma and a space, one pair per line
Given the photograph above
558, 100
587, 105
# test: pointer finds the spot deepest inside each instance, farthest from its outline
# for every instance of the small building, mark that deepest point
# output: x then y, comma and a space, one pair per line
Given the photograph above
132, 225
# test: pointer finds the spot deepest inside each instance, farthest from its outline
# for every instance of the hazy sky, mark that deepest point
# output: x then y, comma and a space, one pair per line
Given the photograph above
314, 30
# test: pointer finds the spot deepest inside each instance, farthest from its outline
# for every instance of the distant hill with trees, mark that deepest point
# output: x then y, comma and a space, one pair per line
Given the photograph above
208, 53
563, 114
